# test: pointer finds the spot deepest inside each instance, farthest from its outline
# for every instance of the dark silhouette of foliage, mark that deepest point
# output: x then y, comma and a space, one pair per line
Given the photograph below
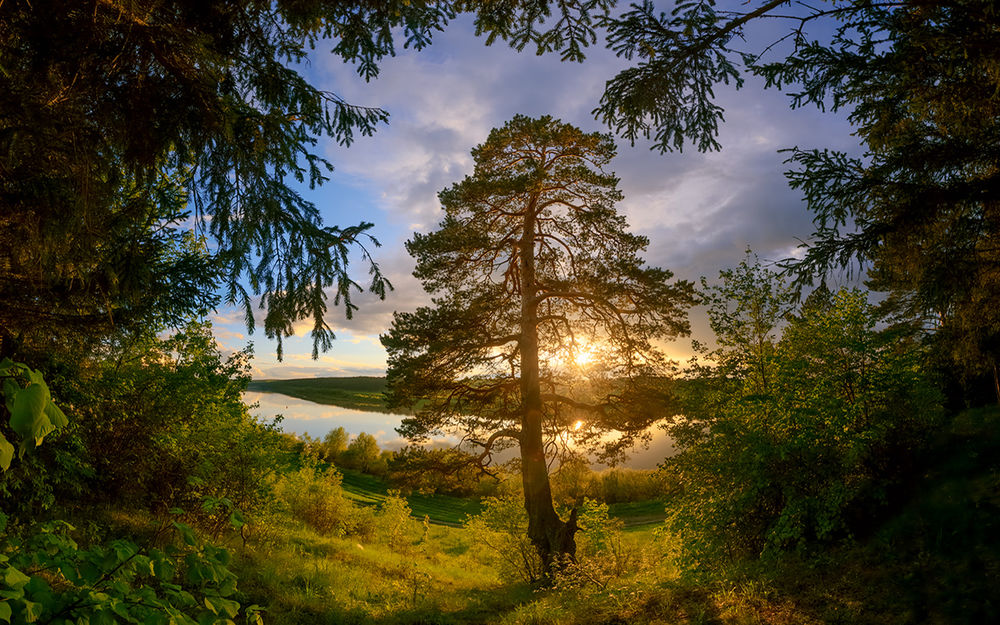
124, 124
917, 79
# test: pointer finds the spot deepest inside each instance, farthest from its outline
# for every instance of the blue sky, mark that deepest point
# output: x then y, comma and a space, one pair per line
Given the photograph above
700, 211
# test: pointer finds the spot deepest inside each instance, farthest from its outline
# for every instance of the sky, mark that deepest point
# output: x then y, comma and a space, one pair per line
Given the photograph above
700, 211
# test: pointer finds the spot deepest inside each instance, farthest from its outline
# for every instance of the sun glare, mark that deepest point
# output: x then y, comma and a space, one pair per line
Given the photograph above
577, 425
583, 356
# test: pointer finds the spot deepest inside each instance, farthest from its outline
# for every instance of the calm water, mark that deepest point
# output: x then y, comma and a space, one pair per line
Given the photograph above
306, 417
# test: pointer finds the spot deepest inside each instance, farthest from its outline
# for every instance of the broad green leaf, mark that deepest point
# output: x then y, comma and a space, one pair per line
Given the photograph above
10, 389
227, 606
5, 612
15, 579
56, 415
6, 453
28, 417
31, 611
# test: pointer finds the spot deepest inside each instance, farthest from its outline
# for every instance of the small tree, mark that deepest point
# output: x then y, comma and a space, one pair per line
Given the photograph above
545, 321
362, 454
334, 444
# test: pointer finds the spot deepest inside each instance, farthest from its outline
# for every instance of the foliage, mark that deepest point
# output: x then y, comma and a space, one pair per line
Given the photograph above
917, 80
501, 530
31, 413
395, 527
362, 454
448, 471
28, 415
574, 481
314, 496
173, 411
531, 267
800, 439
144, 116
334, 444
49, 578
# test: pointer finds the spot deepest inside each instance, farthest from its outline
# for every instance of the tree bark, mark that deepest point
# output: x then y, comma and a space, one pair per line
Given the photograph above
551, 536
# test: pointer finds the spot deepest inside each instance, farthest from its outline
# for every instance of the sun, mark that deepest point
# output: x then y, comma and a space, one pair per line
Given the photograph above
583, 356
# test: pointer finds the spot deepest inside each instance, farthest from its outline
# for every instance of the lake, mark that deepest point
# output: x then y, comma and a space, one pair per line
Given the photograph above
305, 417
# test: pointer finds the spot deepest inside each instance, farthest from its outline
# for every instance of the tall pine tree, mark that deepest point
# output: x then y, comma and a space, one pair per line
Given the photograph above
545, 320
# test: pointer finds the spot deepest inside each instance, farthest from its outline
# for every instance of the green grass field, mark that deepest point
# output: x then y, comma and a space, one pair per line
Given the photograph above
441, 509
358, 393
452, 511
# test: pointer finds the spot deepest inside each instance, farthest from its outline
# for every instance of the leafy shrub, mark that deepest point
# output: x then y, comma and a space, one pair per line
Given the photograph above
29, 415
500, 532
314, 496
363, 454
164, 424
801, 439
48, 578
393, 522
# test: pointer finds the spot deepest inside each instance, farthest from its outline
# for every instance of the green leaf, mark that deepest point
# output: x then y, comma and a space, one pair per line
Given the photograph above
6, 453
227, 606
10, 389
15, 579
28, 417
31, 611
56, 415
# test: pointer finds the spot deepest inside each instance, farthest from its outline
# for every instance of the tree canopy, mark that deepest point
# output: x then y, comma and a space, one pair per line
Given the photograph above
918, 81
545, 320
124, 124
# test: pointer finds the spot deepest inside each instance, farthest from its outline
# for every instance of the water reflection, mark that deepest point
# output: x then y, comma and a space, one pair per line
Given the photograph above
305, 417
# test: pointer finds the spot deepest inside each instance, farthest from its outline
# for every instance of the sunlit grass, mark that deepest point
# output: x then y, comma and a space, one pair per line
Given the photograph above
305, 577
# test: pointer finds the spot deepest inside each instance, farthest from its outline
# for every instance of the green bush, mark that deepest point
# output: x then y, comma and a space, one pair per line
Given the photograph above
394, 525
164, 425
801, 439
48, 578
314, 496
500, 533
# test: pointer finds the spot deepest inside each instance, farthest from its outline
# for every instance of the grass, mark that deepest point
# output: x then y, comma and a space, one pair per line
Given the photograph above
445, 510
441, 509
357, 393
304, 577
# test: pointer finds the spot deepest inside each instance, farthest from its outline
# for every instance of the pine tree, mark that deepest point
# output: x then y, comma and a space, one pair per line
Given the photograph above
545, 321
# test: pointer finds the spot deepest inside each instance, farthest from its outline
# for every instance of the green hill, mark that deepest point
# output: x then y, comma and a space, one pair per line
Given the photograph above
358, 393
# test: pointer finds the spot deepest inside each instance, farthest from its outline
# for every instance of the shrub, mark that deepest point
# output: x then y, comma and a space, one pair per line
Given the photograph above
500, 532
798, 440
314, 496
393, 522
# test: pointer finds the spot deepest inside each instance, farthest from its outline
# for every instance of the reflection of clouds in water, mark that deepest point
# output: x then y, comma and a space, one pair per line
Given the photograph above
305, 417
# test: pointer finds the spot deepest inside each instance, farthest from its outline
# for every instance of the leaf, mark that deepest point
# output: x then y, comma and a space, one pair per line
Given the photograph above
6, 453
227, 606
56, 415
14, 578
5, 611
10, 389
28, 417
31, 611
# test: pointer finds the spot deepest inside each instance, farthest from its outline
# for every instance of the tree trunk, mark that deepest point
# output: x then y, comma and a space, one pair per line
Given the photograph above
996, 380
552, 537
